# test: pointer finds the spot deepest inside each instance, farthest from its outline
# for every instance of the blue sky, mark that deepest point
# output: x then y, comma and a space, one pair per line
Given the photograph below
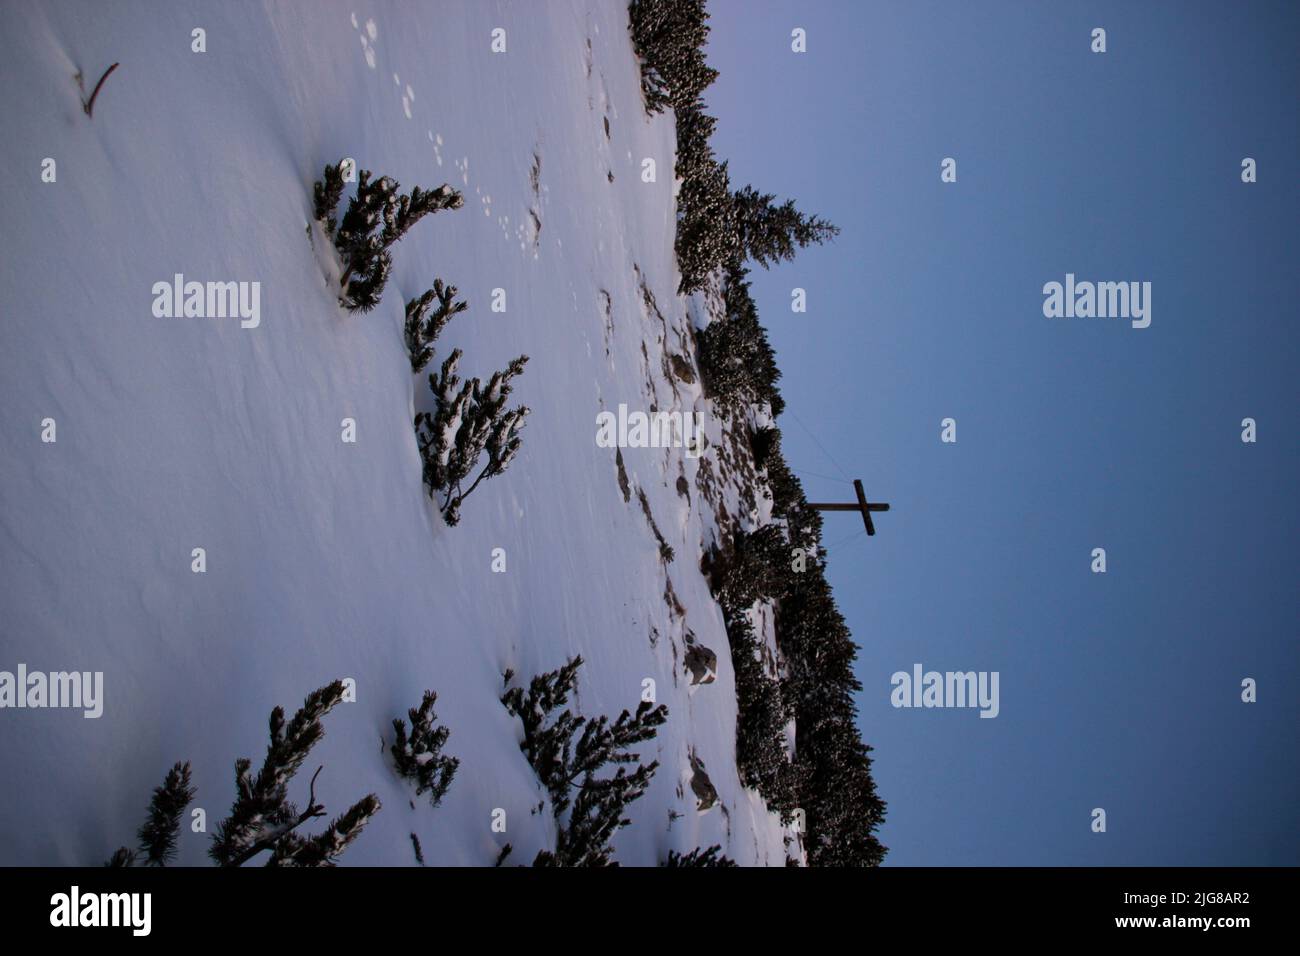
1118, 690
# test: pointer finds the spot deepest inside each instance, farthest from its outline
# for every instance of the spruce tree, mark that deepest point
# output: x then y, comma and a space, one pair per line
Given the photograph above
262, 818
736, 360
418, 755
770, 233
669, 37
761, 718
707, 234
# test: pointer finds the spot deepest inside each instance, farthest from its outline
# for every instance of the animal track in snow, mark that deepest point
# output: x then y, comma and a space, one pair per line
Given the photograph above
368, 37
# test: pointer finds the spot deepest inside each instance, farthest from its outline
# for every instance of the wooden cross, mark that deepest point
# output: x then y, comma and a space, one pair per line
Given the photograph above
861, 506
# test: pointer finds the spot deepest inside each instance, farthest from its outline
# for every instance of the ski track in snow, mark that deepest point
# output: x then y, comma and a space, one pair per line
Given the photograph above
326, 559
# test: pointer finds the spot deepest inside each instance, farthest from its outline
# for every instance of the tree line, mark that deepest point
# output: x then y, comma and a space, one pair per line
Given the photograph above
828, 775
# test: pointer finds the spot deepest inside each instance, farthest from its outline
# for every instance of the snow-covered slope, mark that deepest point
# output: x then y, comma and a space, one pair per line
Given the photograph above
326, 559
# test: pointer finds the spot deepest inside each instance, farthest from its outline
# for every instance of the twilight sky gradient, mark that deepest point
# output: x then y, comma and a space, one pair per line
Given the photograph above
1120, 690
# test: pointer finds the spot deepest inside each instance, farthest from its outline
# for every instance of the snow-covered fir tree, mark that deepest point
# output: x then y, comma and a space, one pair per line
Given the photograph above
762, 715
712, 856
669, 36
771, 232
422, 327
262, 818
377, 216
570, 771
470, 418
418, 754
707, 234
736, 359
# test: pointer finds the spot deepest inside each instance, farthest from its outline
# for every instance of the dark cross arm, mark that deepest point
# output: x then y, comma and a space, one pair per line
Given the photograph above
862, 506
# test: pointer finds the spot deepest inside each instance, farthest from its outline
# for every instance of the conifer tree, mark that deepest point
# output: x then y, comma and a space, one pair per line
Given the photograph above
377, 216
583, 840
422, 328
158, 834
736, 359
761, 718
419, 756
770, 233
324, 848
327, 192
669, 37
707, 233
470, 418
547, 747
570, 772
694, 127
366, 260
713, 856
262, 818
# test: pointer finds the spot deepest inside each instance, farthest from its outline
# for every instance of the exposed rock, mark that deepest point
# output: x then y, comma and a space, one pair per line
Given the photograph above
706, 797
702, 663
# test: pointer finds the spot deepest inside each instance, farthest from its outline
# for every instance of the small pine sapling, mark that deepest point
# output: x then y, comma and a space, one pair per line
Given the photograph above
713, 856
418, 755
547, 747
423, 327
377, 216
470, 418
569, 771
